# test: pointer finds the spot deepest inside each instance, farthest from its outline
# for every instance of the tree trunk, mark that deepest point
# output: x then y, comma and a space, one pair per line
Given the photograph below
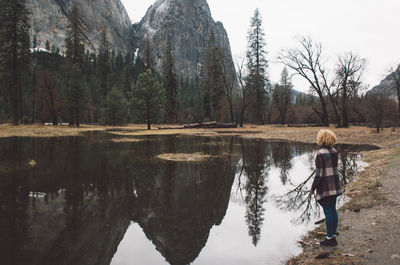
33, 94
325, 117
345, 116
398, 98
335, 111
53, 109
283, 116
231, 111
242, 110
14, 86
148, 116
241, 118
76, 107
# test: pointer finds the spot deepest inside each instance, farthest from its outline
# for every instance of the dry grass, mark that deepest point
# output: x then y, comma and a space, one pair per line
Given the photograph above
125, 140
7, 130
194, 157
352, 135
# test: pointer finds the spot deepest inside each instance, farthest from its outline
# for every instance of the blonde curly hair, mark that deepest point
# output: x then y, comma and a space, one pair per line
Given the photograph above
326, 138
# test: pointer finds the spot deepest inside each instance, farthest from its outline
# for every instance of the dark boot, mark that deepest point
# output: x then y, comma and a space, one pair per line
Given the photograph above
329, 242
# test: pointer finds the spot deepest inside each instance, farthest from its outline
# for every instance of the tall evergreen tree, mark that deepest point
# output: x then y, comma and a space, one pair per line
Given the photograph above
34, 42
170, 84
14, 52
257, 80
75, 54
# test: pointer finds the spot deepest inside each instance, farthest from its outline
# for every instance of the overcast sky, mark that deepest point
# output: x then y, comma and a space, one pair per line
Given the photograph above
369, 28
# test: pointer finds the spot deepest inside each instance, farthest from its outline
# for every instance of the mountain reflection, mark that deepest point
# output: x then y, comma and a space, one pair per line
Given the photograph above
74, 204
178, 203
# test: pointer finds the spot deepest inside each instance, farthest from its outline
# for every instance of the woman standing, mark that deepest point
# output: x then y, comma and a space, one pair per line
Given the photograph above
327, 183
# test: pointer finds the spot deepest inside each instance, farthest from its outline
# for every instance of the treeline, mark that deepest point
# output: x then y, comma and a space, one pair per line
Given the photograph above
78, 86
117, 87
245, 93
341, 98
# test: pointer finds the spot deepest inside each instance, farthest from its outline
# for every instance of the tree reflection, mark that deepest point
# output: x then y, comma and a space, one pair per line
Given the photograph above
255, 165
13, 208
297, 197
282, 158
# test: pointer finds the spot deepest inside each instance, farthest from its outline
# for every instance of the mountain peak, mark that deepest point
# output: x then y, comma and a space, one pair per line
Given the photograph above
187, 25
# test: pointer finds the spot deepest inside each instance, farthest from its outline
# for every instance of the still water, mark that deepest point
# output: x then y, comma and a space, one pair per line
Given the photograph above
88, 200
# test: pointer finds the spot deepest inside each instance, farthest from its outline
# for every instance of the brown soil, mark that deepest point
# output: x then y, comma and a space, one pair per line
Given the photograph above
369, 222
194, 157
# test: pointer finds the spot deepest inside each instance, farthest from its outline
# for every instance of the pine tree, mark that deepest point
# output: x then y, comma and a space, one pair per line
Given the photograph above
119, 62
148, 97
34, 42
75, 55
14, 52
47, 45
116, 107
170, 84
257, 64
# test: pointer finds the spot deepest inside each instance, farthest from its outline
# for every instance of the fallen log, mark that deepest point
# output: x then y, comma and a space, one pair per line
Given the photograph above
212, 124
202, 125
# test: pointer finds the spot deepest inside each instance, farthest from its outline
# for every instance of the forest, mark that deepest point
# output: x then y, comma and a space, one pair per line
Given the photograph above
72, 85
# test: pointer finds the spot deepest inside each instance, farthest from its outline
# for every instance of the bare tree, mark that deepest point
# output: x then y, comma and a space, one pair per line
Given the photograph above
299, 197
376, 101
228, 77
348, 75
48, 97
306, 62
240, 72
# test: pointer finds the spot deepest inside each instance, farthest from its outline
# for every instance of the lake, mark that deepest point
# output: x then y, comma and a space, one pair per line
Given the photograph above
90, 200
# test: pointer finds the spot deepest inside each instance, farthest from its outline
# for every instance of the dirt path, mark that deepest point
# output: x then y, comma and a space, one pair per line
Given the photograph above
373, 234
381, 234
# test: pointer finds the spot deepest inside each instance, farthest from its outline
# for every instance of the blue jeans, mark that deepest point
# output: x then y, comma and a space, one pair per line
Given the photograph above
331, 216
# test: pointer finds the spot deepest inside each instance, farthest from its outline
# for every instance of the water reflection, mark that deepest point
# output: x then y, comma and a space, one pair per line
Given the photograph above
75, 203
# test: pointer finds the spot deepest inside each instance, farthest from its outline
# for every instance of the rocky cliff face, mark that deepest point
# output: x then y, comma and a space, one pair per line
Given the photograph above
387, 84
187, 25
49, 21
